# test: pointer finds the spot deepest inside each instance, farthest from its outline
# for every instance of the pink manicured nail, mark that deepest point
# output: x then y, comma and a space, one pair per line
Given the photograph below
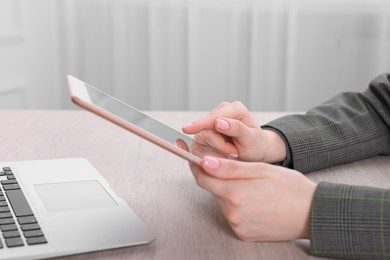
211, 162
222, 124
233, 155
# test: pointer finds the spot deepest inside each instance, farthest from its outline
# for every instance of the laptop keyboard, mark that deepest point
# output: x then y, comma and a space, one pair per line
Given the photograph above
17, 222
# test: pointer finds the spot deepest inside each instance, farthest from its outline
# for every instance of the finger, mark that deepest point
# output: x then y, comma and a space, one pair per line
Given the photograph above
181, 144
217, 141
215, 186
235, 128
235, 110
226, 169
195, 127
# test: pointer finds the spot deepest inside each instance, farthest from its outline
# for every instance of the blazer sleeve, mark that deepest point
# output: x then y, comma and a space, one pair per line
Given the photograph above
350, 222
349, 127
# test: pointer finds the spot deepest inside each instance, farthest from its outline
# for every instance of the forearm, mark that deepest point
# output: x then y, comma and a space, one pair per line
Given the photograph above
350, 127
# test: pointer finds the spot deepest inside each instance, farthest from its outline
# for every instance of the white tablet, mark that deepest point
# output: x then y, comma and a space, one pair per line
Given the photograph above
130, 118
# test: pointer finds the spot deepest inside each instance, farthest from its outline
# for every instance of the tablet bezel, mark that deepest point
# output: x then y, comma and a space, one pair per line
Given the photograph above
76, 88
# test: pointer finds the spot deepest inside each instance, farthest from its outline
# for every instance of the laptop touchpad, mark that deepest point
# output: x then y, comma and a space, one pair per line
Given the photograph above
78, 195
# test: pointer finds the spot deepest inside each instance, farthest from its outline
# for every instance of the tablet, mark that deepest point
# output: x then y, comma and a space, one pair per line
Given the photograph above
137, 122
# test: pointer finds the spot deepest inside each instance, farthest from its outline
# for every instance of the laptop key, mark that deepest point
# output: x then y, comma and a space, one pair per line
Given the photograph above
4, 209
28, 227
19, 203
14, 242
5, 215
6, 228
11, 234
5, 182
33, 233
36, 240
7, 221
27, 220
11, 187
2, 173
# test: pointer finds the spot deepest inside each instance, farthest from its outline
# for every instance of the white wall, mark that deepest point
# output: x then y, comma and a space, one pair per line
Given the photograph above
193, 54
29, 55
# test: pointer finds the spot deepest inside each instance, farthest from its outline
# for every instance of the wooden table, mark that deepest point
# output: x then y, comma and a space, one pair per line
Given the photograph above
158, 185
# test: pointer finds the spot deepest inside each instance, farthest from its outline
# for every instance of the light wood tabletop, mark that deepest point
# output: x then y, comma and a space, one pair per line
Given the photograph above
158, 185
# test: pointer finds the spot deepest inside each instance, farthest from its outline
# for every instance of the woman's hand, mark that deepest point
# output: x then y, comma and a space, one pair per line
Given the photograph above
261, 202
231, 129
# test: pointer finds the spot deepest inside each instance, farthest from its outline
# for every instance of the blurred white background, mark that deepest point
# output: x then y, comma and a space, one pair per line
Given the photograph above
192, 54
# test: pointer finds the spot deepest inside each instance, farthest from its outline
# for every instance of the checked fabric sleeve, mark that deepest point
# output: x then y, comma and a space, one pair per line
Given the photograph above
346, 221
350, 222
349, 127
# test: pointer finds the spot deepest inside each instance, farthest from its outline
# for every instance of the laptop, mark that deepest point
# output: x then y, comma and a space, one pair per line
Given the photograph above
59, 207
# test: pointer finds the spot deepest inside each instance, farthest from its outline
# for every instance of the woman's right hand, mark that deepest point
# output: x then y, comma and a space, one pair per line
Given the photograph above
231, 129
261, 202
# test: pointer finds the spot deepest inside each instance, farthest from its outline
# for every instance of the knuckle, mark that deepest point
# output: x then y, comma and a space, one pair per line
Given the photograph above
243, 110
203, 136
223, 104
232, 168
239, 104
232, 217
241, 233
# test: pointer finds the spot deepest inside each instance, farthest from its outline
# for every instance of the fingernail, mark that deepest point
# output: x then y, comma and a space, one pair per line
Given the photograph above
233, 155
211, 162
222, 124
187, 125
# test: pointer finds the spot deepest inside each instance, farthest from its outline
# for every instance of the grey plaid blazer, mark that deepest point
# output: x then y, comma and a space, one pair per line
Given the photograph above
346, 221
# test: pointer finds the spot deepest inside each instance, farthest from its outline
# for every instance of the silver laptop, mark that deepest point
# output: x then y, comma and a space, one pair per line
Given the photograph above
60, 207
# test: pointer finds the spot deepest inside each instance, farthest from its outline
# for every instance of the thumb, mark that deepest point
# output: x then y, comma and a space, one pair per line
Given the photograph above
226, 169
235, 128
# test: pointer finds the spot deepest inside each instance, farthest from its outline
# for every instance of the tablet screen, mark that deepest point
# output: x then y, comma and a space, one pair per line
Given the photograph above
134, 116
140, 120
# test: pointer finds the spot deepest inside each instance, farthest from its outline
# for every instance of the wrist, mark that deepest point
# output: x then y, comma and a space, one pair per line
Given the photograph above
276, 147
307, 217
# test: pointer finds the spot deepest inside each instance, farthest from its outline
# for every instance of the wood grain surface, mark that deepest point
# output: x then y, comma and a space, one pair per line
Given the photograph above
158, 185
